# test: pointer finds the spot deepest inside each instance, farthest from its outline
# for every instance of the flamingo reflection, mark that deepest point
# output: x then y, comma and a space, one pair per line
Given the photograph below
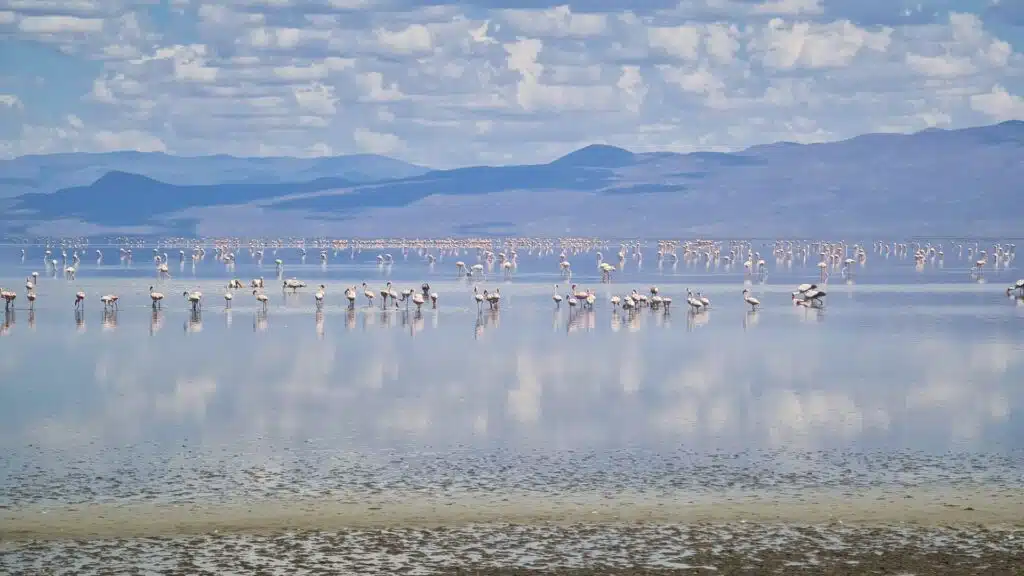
195, 321
109, 319
8, 321
259, 321
156, 321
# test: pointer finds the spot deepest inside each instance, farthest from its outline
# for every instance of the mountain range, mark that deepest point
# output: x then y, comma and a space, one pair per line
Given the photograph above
937, 182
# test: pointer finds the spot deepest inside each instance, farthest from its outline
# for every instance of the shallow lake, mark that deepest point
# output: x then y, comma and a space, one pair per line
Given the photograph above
906, 383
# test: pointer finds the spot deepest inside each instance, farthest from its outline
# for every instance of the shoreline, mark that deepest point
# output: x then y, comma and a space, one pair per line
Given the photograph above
903, 507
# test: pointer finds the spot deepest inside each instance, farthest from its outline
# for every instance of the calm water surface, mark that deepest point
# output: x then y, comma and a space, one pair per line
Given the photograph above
906, 377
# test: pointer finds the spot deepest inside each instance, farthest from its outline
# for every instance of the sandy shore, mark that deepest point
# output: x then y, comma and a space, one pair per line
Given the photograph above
579, 549
991, 507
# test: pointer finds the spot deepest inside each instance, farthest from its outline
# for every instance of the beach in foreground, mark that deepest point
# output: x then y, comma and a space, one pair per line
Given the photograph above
887, 531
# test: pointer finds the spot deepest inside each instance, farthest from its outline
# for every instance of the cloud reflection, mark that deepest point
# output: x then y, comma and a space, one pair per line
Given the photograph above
524, 385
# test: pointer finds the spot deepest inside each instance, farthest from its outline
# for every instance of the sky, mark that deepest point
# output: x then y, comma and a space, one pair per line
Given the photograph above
495, 81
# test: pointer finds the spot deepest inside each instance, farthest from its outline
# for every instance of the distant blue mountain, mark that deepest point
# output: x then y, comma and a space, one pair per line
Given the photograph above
939, 182
51, 172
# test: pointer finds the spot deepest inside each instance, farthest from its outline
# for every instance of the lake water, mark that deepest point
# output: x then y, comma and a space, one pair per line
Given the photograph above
901, 399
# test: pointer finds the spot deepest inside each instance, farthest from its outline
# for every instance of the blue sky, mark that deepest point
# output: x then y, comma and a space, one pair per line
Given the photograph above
447, 84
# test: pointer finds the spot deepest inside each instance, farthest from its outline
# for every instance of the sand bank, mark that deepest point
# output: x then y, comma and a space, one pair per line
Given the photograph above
989, 507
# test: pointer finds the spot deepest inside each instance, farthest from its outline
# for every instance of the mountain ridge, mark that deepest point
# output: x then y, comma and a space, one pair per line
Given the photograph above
949, 181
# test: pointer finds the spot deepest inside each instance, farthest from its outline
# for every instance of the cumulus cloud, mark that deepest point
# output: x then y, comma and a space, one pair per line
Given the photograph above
999, 104
453, 84
376, 142
10, 101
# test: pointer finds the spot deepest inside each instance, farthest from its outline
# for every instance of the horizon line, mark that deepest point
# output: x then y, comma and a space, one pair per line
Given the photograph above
712, 150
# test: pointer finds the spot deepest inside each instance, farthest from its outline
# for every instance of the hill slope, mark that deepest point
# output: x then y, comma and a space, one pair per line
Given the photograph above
51, 172
956, 182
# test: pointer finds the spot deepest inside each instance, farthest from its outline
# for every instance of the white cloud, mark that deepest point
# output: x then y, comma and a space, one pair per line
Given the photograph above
58, 24
943, 66
410, 40
558, 21
790, 7
376, 142
810, 45
317, 98
375, 90
10, 101
679, 41
999, 104
450, 85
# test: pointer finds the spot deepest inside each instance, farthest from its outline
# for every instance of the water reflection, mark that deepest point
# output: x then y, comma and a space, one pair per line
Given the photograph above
109, 319
924, 381
9, 320
195, 321
156, 321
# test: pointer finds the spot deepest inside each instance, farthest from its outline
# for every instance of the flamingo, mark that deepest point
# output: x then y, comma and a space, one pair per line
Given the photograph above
8, 297
417, 299
319, 297
803, 289
261, 298
479, 297
494, 299
227, 299
703, 299
109, 301
79, 300
156, 297
695, 304
368, 294
815, 295
557, 297
754, 302
31, 300
350, 295
195, 299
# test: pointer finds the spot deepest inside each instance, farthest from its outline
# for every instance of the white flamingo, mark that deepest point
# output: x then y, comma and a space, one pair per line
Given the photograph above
704, 300
79, 300
754, 302
156, 297
479, 297
261, 298
557, 297
695, 304
368, 294
194, 299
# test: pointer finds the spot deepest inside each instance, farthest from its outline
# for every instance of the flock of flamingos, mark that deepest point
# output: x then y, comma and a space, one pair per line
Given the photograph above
832, 257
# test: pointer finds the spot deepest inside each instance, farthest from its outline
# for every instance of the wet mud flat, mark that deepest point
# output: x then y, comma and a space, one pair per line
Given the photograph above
499, 549
883, 532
